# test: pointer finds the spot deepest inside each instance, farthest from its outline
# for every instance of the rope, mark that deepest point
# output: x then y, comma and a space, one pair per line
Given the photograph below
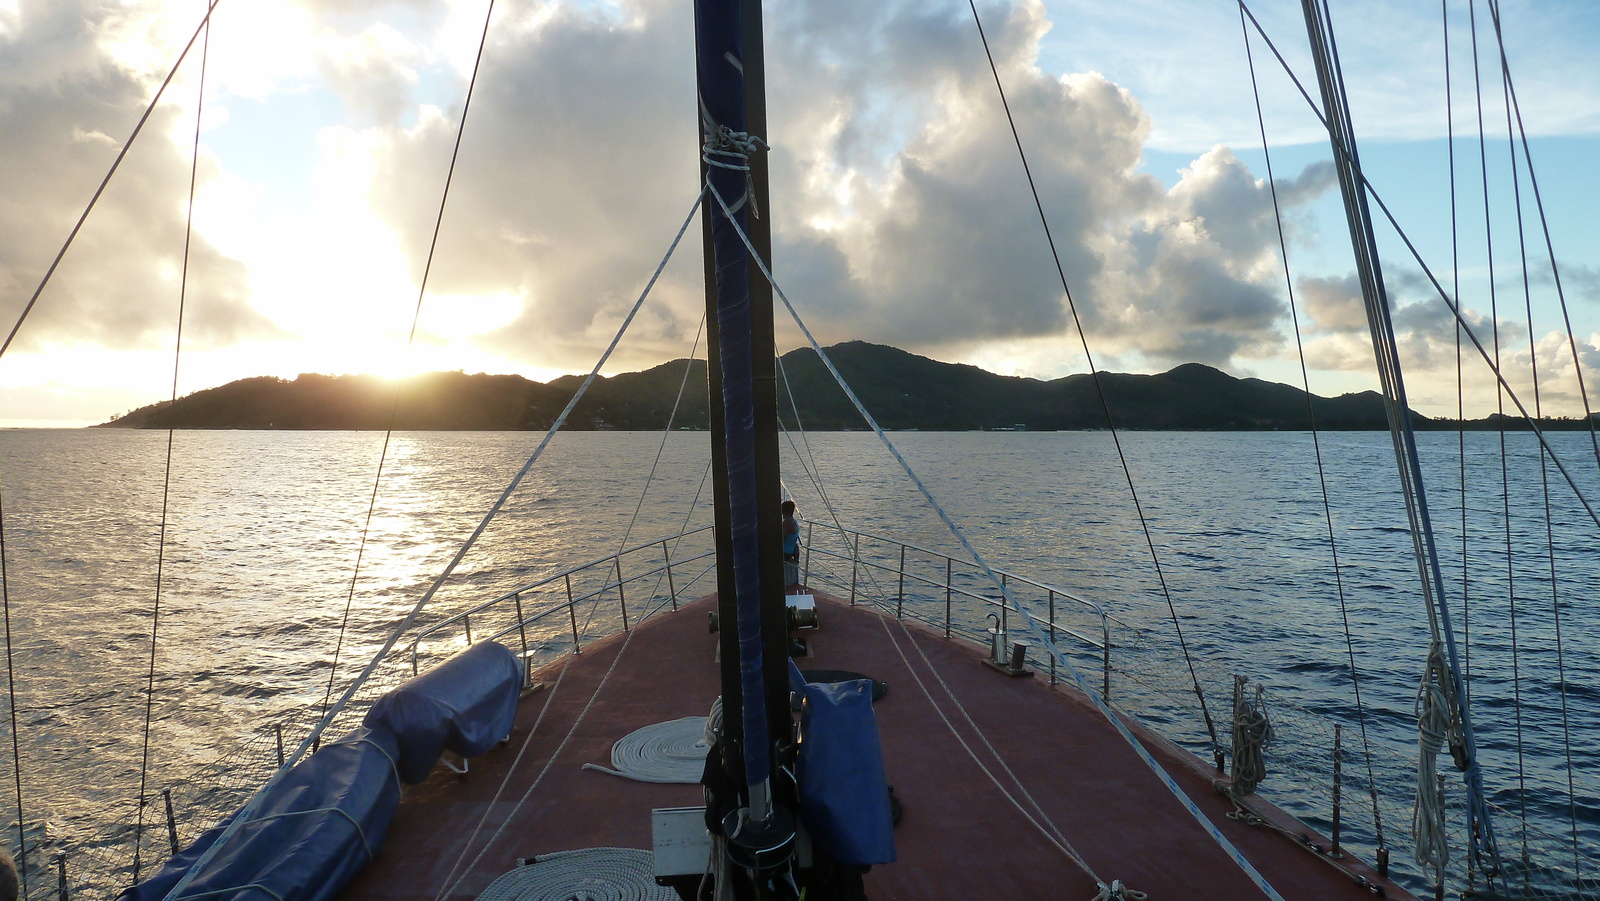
1252, 732
505, 780
499, 830
673, 752
1116, 891
1043, 823
1544, 222
1438, 287
1356, 191
411, 338
450, 567
1434, 722
1105, 404
808, 464
1538, 408
571, 731
1500, 425
1033, 623
166, 474
117, 163
1316, 440
1048, 829
661, 448
1461, 404
590, 874
11, 695
729, 149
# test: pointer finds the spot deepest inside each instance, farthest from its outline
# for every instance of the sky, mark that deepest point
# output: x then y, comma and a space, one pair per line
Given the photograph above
901, 215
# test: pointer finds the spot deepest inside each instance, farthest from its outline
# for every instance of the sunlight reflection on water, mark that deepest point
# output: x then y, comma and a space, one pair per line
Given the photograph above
264, 530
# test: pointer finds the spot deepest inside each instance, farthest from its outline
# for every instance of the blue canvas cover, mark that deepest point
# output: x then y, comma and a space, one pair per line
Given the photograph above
317, 828
844, 796
465, 705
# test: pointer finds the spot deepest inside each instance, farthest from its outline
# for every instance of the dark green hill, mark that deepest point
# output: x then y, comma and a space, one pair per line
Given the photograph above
902, 390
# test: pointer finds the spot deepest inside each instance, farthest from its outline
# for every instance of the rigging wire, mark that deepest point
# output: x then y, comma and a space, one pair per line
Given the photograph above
117, 163
1316, 440
166, 477
1105, 404
11, 695
1505, 476
411, 338
505, 780
1533, 362
672, 419
1043, 822
1544, 222
422, 602
1352, 184
1544, 470
813, 473
1438, 287
1461, 410
1100, 703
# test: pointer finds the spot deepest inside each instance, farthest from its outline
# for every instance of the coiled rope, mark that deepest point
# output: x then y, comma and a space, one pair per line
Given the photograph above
1434, 724
1116, 891
590, 874
673, 752
1252, 732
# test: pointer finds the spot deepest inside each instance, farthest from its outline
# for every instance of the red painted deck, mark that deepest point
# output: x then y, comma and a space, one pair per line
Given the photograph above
960, 838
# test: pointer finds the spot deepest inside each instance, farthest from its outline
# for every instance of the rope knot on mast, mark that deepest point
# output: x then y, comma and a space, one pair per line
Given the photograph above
725, 148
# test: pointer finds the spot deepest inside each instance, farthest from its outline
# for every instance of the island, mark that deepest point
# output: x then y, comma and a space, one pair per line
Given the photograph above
903, 391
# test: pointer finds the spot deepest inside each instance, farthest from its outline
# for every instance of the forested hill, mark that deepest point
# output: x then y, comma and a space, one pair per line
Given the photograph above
903, 391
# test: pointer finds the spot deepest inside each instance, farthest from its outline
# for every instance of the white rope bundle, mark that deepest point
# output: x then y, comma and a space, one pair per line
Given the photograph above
671, 752
590, 874
1433, 711
1116, 891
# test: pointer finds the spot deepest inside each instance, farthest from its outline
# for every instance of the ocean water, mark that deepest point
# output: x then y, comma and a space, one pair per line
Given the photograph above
263, 529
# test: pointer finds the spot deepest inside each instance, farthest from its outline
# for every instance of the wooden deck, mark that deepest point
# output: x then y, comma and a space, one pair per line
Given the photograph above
961, 836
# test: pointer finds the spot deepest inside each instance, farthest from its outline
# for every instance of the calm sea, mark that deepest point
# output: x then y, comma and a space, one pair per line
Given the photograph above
262, 531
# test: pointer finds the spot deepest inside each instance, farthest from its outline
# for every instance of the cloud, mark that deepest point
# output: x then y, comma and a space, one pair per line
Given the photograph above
903, 214
901, 211
373, 71
1333, 304
70, 97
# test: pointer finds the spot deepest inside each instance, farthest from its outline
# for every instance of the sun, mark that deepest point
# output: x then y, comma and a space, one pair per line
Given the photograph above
397, 366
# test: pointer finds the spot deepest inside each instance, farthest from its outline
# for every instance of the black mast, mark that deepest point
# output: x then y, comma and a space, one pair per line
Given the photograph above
743, 406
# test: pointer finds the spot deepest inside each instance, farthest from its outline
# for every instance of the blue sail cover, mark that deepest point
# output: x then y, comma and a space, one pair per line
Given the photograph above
465, 705
844, 795
719, 75
313, 831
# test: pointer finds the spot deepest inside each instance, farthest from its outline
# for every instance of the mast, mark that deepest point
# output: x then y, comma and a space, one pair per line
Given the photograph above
1341, 134
743, 405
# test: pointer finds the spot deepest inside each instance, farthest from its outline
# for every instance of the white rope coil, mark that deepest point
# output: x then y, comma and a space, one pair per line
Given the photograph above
1116, 891
1434, 722
670, 752
728, 149
590, 874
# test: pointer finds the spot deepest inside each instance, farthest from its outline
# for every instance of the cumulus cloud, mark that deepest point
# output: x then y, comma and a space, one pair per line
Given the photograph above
70, 95
1432, 352
902, 212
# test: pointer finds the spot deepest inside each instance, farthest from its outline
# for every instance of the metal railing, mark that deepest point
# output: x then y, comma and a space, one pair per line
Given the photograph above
957, 578
616, 576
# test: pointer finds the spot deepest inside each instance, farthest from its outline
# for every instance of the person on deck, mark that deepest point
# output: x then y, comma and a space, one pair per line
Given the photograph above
791, 546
